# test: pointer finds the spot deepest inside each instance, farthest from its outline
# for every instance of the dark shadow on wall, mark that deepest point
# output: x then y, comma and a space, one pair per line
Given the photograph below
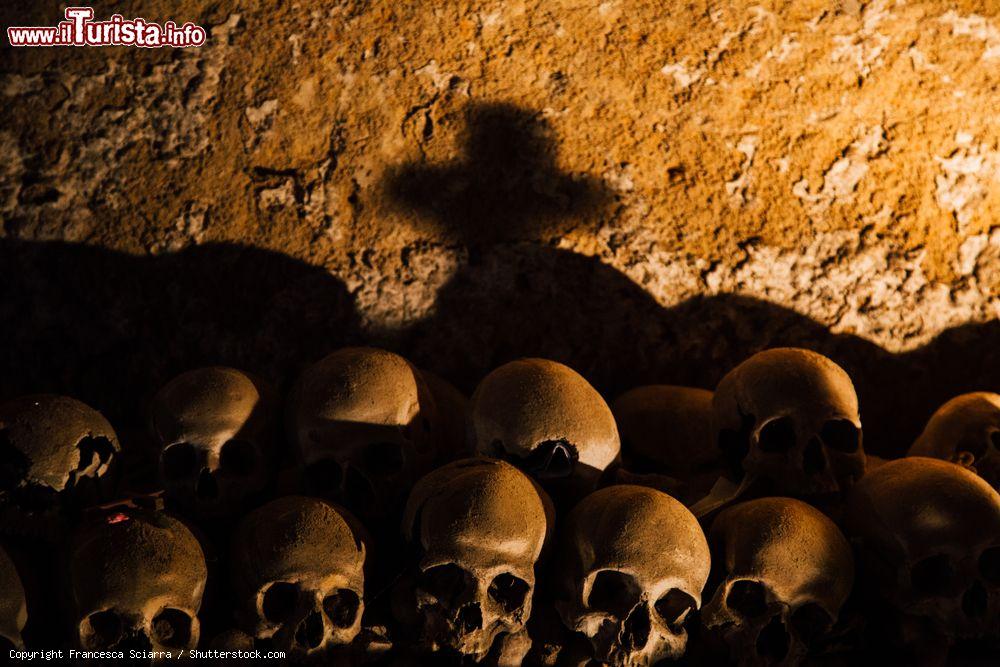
514, 298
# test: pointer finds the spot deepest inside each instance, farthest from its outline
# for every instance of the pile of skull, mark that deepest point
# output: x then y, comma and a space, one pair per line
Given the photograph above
379, 516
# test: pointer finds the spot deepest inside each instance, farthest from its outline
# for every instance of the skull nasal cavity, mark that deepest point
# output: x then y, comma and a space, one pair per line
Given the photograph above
773, 641
748, 598
206, 488
777, 435
469, 618
309, 634
813, 459
841, 435
636, 631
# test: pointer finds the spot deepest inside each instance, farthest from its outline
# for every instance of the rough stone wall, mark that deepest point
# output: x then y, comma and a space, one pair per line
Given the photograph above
647, 190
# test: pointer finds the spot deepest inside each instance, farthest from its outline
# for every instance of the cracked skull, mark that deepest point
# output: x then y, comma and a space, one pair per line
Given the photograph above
363, 422
215, 429
667, 441
633, 562
13, 607
928, 533
784, 571
789, 418
137, 578
546, 419
298, 576
966, 431
54, 450
480, 526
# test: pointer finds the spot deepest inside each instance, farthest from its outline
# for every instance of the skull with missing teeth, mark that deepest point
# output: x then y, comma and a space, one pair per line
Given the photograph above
546, 419
363, 420
137, 579
966, 431
928, 533
784, 570
13, 606
54, 450
632, 564
216, 429
298, 576
480, 526
789, 418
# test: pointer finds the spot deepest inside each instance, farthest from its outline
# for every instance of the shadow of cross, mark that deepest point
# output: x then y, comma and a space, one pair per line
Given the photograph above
505, 186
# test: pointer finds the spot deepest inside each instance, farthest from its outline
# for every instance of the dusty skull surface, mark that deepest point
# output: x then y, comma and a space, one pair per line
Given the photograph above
784, 571
632, 564
215, 428
363, 424
789, 418
928, 533
479, 527
137, 579
667, 440
54, 451
966, 431
13, 606
546, 419
298, 576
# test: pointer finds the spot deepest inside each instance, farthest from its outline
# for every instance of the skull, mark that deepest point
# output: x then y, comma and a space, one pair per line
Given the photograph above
137, 578
215, 429
298, 576
789, 418
966, 431
362, 420
632, 562
667, 431
928, 533
479, 526
784, 571
545, 418
13, 607
54, 452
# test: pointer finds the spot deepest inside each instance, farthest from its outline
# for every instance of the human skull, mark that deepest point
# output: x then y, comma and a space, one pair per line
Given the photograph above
54, 452
298, 576
928, 533
966, 431
784, 571
215, 428
479, 526
137, 579
789, 418
363, 422
632, 565
546, 419
13, 606
666, 431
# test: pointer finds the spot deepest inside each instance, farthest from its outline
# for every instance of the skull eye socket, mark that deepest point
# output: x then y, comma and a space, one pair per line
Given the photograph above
342, 607
238, 457
933, 576
383, 458
179, 460
989, 565
172, 627
810, 621
279, 601
747, 598
841, 435
102, 629
445, 582
13, 463
613, 592
324, 476
777, 435
674, 608
509, 591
